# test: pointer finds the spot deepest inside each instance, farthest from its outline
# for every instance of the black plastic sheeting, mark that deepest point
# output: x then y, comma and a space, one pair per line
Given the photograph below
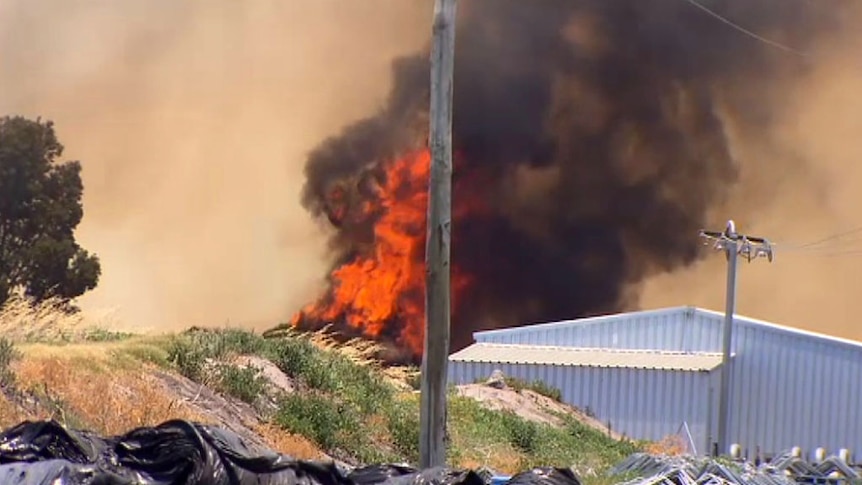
545, 476
186, 453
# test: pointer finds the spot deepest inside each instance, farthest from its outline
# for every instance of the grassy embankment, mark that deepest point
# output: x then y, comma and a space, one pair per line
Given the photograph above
341, 404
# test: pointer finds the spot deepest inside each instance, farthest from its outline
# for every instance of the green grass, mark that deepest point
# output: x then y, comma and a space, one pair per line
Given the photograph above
8, 355
537, 386
244, 383
351, 411
538, 444
96, 334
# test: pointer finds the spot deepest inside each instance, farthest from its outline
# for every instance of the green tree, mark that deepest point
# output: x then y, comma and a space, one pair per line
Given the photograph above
40, 207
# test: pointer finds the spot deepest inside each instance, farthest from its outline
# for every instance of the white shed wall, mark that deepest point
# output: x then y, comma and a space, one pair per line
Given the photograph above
790, 388
639, 403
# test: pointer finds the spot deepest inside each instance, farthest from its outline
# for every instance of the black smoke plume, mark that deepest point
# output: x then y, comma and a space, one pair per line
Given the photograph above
591, 130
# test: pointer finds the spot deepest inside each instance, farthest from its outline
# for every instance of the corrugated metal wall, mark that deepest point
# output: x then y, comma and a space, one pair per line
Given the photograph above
790, 388
640, 403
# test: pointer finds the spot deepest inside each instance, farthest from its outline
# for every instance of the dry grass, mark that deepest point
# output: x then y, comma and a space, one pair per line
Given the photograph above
105, 400
287, 443
10, 415
502, 459
672, 445
358, 350
22, 320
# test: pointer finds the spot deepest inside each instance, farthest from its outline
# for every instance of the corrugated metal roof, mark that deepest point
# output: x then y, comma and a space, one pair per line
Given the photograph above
587, 357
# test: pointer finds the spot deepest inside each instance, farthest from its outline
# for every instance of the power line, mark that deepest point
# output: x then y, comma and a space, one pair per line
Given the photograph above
745, 31
839, 242
835, 254
833, 237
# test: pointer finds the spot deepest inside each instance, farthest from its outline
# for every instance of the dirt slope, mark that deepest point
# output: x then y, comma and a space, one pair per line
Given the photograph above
101, 386
531, 405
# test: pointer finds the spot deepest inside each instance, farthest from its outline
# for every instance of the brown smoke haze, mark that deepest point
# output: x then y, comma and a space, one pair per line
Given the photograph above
192, 121
809, 190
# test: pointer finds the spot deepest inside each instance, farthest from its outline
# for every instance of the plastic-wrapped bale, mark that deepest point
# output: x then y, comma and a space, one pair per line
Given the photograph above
438, 476
33, 441
374, 474
184, 452
545, 476
487, 475
50, 472
175, 452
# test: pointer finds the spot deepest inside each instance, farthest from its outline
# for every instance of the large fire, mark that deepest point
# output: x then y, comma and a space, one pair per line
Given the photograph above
381, 290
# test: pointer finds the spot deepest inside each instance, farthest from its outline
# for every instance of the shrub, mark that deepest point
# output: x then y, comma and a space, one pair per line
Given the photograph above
188, 358
402, 421
219, 343
537, 386
102, 335
243, 383
331, 372
295, 357
522, 434
331, 424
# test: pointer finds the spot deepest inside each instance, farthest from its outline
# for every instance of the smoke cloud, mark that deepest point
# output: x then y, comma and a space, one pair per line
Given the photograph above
192, 121
598, 136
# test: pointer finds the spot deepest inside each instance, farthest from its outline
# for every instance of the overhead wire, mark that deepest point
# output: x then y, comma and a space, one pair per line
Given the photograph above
834, 237
834, 245
745, 31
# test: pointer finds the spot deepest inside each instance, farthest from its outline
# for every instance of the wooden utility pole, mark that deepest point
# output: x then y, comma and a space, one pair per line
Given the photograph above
435, 358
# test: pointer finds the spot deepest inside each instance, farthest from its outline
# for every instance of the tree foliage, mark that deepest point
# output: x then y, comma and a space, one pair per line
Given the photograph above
40, 207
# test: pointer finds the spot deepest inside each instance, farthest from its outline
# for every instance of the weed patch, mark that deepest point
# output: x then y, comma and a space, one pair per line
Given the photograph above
244, 383
189, 359
97, 334
329, 423
8, 355
480, 432
537, 386
402, 419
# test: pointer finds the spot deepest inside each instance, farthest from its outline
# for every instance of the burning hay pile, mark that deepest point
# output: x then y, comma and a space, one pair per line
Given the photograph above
785, 469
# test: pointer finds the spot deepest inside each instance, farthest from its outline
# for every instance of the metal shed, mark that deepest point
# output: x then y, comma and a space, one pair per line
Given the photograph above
789, 387
611, 384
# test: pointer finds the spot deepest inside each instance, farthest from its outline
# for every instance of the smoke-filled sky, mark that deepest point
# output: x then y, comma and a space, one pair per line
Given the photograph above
192, 120
607, 133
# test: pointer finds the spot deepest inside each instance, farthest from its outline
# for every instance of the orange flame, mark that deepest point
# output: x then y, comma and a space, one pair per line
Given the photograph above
383, 291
